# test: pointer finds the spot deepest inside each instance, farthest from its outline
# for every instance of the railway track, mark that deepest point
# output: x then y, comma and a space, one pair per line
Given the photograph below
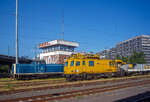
70, 84
74, 93
34, 83
29, 81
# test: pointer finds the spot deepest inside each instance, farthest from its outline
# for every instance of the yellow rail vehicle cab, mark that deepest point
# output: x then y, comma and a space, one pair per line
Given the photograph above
85, 67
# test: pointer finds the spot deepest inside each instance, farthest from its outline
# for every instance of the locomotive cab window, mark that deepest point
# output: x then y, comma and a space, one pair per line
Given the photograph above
72, 63
111, 63
66, 63
91, 63
78, 63
83, 63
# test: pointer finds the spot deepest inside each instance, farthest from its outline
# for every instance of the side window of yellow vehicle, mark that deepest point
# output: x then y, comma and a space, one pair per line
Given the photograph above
83, 63
72, 63
66, 64
77, 63
112, 63
91, 63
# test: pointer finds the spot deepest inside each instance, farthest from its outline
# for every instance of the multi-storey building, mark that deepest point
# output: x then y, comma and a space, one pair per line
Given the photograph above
104, 54
139, 44
126, 48
54, 52
112, 53
108, 54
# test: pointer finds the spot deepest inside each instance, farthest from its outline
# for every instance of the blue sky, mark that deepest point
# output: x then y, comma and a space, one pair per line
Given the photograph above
95, 24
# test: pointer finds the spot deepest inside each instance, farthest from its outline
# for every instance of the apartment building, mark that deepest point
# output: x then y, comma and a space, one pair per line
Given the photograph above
108, 54
126, 48
139, 44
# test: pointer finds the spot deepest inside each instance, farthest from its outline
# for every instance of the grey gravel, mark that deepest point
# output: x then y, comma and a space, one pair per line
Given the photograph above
113, 96
52, 91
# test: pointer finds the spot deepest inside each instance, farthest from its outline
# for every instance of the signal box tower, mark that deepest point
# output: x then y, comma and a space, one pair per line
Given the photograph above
54, 52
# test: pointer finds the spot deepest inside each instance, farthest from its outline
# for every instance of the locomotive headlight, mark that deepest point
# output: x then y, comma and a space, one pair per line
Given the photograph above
77, 70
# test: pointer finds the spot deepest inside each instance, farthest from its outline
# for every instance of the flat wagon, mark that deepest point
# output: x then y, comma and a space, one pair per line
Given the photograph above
131, 69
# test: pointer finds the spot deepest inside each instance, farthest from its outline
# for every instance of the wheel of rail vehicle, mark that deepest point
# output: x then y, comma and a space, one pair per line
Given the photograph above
89, 77
84, 76
122, 73
109, 75
68, 78
95, 77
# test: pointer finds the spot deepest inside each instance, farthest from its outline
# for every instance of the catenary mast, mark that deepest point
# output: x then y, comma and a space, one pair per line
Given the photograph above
16, 31
63, 25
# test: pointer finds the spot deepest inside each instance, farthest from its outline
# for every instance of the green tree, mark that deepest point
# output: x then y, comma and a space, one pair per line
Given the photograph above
118, 57
4, 69
137, 58
125, 59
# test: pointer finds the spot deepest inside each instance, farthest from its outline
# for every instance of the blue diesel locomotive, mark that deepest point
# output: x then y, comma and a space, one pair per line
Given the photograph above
32, 71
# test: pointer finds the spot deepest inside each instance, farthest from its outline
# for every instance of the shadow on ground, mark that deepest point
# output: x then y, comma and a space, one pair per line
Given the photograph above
143, 97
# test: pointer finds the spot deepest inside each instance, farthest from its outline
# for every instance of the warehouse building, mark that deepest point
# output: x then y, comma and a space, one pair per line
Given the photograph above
54, 52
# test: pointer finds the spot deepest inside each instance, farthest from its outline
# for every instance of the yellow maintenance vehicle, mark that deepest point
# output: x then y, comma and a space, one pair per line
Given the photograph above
89, 66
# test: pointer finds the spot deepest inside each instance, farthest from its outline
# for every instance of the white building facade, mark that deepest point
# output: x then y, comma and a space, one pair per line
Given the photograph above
54, 52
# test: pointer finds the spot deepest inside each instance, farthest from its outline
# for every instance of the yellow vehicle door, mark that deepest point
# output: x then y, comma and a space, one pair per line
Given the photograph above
72, 67
91, 66
77, 67
66, 67
114, 66
111, 66
83, 67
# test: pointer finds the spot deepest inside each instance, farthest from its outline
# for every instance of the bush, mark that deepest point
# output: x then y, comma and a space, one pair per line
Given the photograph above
136, 58
4, 69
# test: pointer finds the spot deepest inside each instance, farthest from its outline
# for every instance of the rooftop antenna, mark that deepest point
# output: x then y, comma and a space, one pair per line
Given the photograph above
63, 25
